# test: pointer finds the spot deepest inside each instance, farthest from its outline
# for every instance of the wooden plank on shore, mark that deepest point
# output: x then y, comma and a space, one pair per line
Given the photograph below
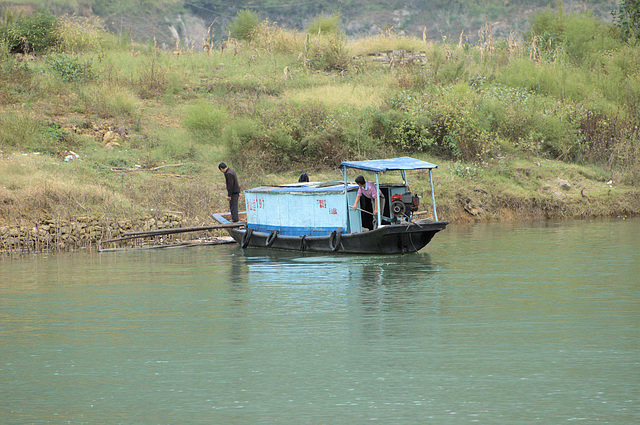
216, 241
144, 234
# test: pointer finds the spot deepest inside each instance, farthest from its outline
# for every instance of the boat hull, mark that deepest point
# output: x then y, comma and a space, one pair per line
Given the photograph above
391, 239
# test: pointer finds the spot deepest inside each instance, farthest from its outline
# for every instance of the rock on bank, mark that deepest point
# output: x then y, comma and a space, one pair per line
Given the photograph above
84, 232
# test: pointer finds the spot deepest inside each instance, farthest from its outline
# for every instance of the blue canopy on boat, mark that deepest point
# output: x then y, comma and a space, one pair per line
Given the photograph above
383, 165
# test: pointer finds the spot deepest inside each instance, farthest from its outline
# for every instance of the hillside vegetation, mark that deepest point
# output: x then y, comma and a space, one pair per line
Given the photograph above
195, 22
543, 125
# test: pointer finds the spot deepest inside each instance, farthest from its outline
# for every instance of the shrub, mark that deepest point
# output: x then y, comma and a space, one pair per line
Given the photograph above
362, 130
18, 130
443, 122
548, 25
15, 79
587, 38
554, 34
387, 41
627, 17
606, 139
281, 146
413, 77
275, 39
245, 24
382, 124
204, 121
79, 34
153, 79
240, 139
328, 53
295, 119
304, 133
326, 148
108, 100
24, 132
325, 24
558, 135
53, 139
452, 71
36, 33
71, 68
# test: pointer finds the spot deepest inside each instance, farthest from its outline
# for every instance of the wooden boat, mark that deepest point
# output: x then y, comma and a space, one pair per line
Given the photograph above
317, 216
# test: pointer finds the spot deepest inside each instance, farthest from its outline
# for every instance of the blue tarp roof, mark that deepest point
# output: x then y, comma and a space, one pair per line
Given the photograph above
382, 165
305, 188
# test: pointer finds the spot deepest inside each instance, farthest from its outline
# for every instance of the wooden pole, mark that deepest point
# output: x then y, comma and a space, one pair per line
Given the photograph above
143, 234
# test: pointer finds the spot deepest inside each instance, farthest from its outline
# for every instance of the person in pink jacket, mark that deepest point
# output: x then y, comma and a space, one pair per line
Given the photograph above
369, 190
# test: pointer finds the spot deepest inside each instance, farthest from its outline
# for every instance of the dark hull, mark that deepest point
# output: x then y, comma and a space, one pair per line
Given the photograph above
392, 239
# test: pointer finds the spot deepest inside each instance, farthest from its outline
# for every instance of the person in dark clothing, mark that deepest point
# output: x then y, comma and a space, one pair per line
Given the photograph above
233, 190
304, 178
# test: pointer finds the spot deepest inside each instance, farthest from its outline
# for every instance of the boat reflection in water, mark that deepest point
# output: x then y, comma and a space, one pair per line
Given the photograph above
379, 291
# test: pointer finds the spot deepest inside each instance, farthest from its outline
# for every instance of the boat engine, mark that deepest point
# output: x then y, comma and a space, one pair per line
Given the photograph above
402, 206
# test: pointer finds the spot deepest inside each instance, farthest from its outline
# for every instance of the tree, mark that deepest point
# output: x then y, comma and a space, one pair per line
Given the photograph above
627, 18
244, 26
35, 33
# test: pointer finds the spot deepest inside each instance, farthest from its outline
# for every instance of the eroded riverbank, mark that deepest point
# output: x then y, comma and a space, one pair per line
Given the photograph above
89, 232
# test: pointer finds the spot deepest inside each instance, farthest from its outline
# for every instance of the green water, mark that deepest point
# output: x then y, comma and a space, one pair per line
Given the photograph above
492, 323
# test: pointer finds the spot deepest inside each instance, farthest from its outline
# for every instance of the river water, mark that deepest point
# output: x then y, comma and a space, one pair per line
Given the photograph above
490, 323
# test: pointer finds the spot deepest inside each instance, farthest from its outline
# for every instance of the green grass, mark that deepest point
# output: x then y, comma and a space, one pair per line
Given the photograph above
502, 124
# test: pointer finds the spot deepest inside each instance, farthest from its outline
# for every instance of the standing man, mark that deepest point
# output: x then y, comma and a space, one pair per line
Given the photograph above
233, 190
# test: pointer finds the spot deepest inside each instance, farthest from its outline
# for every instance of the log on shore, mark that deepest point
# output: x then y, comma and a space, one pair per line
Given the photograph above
144, 234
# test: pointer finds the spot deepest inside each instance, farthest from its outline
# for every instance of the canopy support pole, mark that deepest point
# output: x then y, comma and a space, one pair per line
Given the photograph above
346, 198
378, 200
433, 197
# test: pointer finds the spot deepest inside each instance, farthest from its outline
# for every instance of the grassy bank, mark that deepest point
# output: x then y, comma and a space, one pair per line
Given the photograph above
541, 125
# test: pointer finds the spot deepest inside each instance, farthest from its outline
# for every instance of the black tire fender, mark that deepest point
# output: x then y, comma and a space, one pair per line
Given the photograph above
271, 238
303, 243
335, 239
246, 238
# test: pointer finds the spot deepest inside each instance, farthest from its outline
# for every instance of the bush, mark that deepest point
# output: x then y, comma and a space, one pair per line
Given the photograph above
305, 134
79, 35
274, 39
245, 24
326, 148
607, 139
387, 41
328, 53
204, 121
15, 79
71, 68
362, 130
627, 18
578, 36
325, 25
241, 141
531, 122
153, 79
108, 101
18, 130
36, 33
24, 132
444, 122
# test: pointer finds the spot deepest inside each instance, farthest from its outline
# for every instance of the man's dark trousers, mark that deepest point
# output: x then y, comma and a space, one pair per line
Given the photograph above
233, 207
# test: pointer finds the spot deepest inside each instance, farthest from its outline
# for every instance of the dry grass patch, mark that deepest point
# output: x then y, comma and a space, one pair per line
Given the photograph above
384, 42
338, 94
34, 185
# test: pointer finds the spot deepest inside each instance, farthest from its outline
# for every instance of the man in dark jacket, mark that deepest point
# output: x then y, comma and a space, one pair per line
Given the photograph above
233, 190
